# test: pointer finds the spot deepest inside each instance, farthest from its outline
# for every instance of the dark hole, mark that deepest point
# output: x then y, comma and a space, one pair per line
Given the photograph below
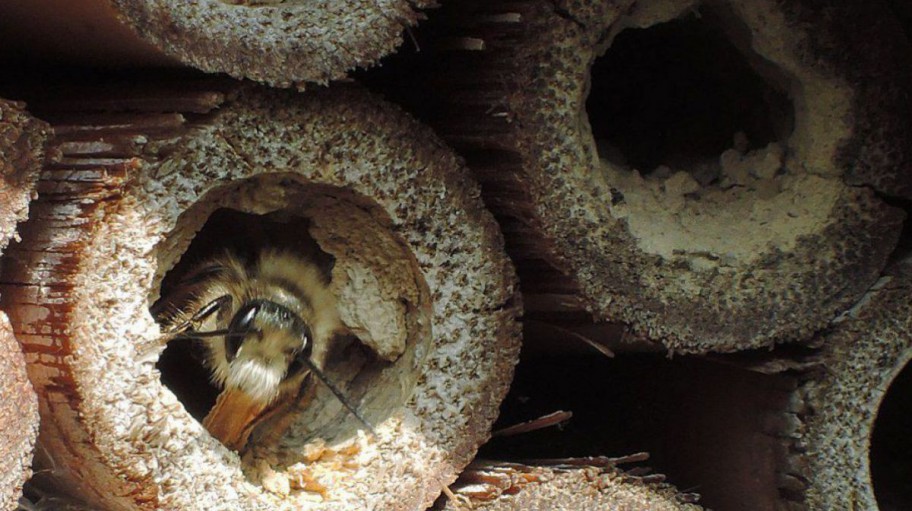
703, 422
902, 9
891, 446
676, 94
182, 362
182, 371
903, 247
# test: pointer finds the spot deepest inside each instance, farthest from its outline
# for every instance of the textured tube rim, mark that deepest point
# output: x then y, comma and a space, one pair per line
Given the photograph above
861, 357
281, 45
152, 453
619, 280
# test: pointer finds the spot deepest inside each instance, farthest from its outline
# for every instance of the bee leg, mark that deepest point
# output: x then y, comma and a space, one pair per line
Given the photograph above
278, 419
201, 315
235, 416
230, 419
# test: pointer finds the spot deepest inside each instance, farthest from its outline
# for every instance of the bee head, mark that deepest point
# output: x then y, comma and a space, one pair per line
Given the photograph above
266, 343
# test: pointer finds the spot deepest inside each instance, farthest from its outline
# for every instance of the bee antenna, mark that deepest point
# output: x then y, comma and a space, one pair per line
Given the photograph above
339, 395
206, 311
193, 334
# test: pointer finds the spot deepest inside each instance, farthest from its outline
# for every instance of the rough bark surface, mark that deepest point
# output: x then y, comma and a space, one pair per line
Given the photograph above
765, 254
142, 169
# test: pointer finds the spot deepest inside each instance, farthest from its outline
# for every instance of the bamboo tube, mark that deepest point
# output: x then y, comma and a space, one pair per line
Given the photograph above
18, 418
842, 404
725, 424
587, 125
419, 272
279, 42
502, 486
22, 141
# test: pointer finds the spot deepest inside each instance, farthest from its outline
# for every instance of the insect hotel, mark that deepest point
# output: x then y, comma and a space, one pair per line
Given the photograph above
493, 255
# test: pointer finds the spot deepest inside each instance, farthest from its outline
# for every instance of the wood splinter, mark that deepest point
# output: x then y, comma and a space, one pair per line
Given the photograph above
504, 486
546, 421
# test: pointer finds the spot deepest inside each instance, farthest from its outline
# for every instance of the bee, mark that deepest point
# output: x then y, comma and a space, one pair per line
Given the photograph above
266, 327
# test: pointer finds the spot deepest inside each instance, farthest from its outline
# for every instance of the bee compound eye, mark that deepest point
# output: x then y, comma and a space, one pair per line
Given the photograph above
232, 345
247, 319
306, 340
240, 325
300, 361
306, 347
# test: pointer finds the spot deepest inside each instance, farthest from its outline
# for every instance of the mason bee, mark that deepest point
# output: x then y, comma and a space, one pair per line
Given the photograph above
266, 325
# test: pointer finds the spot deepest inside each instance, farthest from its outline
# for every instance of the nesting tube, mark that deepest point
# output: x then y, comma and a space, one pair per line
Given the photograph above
18, 418
853, 417
279, 42
154, 180
22, 141
503, 486
21, 153
712, 173
725, 425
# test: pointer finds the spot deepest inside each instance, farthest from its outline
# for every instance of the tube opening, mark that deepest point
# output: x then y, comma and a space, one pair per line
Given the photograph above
693, 130
891, 446
705, 424
382, 305
184, 364
679, 94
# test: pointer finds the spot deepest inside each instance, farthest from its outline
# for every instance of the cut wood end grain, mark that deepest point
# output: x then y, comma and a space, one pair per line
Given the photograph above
112, 225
